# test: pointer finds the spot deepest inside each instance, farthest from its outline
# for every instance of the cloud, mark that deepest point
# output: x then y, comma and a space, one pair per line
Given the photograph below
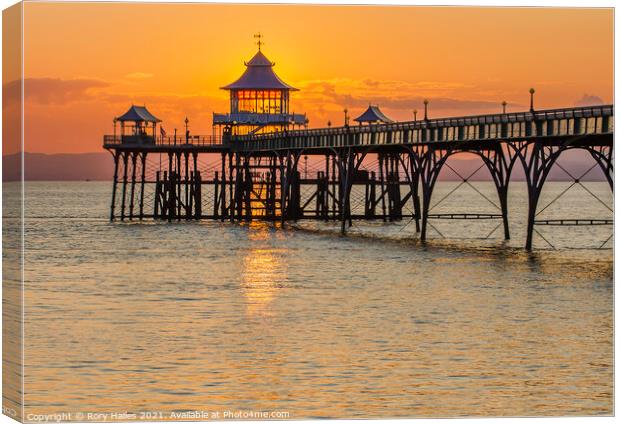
11, 94
389, 94
50, 90
589, 100
139, 75
370, 86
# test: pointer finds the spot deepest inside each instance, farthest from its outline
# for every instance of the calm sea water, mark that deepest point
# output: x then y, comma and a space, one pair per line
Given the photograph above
217, 317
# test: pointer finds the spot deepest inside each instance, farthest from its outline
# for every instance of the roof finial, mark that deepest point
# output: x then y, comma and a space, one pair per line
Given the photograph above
259, 43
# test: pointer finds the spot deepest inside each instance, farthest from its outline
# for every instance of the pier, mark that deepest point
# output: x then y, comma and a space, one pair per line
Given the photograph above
260, 177
263, 163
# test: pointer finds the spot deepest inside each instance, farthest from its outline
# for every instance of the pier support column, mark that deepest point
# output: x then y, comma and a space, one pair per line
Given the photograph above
370, 198
431, 164
381, 160
234, 182
134, 160
393, 188
500, 167
272, 198
158, 195
223, 206
247, 189
170, 189
288, 165
116, 155
125, 161
348, 164
410, 162
186, 203
142, 183
295, 196
197, 197
177, 186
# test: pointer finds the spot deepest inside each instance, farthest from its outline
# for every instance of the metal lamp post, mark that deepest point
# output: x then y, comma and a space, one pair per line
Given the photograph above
504, 106
426, 109
532, 91
306, 166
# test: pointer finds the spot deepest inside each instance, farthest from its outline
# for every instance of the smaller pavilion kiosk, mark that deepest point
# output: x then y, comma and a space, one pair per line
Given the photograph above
138, 126
373, 115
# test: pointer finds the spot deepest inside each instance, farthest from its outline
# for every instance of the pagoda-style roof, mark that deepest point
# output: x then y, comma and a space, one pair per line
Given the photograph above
138, 114
259, 75
373, 115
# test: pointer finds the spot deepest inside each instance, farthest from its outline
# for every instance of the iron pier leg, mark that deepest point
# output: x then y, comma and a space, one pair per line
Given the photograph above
177, 185
197, 195
414, 184
142, 182
114, 184
247, 190
429, 172
187, 208
224, 185
335, 187
326, 199
216, 194
234, 180
272, 186
346, 168
134, 157
382, 184
170, 189
534, 194
157, 194
125, 160
503, 200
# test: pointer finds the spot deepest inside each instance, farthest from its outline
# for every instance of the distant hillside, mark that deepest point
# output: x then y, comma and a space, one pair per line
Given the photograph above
100, 166
76, 167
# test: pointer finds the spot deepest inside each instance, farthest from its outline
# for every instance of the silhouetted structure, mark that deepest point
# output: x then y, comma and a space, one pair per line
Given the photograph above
138, 125
259, 101
373, 115
395, 164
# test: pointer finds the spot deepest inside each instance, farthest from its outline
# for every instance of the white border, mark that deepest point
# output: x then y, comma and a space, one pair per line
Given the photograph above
490, 3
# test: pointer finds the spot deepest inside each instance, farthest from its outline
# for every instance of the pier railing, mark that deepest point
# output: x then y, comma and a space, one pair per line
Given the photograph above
193, 140
505, 126
597, 120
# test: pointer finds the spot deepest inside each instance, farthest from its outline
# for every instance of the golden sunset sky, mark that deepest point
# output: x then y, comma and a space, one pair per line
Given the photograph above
86, 63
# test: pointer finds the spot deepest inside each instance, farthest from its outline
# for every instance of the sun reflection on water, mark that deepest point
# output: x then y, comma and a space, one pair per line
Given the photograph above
264, 270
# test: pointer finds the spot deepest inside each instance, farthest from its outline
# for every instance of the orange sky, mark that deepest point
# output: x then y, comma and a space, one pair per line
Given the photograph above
86, 63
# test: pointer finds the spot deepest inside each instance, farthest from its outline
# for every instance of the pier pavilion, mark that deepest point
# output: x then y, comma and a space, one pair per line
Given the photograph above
138, 126
373, 115
259, 101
